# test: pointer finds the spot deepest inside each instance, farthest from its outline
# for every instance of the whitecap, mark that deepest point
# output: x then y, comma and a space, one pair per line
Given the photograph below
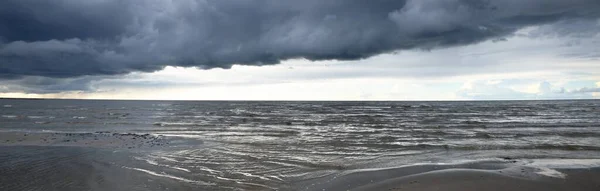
550, 172
565, 163
36, 117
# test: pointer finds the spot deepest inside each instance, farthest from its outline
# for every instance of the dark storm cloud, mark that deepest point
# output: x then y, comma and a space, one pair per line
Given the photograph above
34, 20
70, 38
45, 85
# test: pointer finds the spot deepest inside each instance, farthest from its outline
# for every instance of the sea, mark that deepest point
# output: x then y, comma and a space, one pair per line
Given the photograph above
276, 145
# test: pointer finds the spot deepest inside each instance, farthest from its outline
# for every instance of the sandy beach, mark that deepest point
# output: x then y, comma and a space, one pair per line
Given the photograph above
482, 175
56, 151
473, 180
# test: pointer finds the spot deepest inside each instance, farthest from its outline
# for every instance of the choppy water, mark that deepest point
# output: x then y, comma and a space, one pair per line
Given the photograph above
276, 145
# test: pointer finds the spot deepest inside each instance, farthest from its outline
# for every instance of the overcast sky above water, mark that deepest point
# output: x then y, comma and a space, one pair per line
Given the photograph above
300, 50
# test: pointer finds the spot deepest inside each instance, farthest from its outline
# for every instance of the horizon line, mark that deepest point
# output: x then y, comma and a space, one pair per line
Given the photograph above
265, 100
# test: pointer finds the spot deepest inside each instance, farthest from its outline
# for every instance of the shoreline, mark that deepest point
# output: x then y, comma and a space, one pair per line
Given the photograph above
501, 174
472, 180
479, 174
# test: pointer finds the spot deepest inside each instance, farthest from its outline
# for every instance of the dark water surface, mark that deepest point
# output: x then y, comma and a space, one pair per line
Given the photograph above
280, 145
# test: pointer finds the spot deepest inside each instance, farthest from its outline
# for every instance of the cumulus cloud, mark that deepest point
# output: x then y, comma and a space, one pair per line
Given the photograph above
67, 38
587, 90
502, 90
486, 90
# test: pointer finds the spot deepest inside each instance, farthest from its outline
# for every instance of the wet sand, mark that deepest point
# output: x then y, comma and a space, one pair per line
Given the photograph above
85, 161
69, 168
474, 180
88, 161
482, 175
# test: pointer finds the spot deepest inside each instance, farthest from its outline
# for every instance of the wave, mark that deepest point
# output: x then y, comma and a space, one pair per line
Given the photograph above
170, 176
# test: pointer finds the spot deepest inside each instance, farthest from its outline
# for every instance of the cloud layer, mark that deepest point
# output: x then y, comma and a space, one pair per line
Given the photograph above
69, 38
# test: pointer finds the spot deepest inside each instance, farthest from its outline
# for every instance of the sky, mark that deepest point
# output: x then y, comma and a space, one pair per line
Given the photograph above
300, 50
